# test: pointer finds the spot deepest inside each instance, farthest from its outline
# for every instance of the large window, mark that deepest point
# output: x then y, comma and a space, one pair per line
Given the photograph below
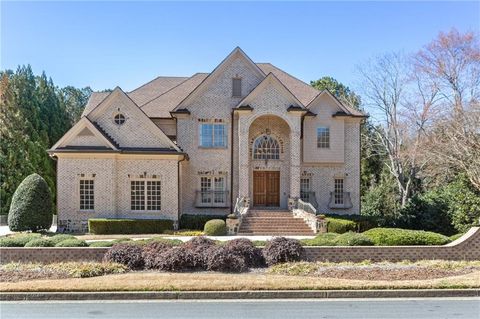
305, 189
213, 135
212, 190
145, 195
338, 191
87, 194
323, 137
266, 147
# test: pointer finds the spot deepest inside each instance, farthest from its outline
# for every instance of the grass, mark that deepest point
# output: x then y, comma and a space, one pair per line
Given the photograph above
204, 281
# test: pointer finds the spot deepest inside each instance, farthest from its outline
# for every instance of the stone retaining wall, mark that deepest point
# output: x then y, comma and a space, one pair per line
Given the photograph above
465, 248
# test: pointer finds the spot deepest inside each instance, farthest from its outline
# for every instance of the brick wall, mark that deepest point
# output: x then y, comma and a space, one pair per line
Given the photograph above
465, 248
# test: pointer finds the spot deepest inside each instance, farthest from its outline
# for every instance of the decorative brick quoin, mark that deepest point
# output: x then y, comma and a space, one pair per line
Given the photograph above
199, 144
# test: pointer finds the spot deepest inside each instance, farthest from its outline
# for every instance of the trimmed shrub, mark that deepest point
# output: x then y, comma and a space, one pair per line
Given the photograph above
399, 237
244, 248
31, 208
197, 222
455, 237
281, 249
72, 242
215, 227
101, 226
108, 243
152, 251
363, 223
125, 254
40, 242
59, 238
327, 239
18, 240
340, 226
197, 248
221, 258
352, 239
187, 232
175, 259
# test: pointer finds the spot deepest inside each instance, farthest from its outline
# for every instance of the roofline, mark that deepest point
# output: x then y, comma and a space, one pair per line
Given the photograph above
122, 151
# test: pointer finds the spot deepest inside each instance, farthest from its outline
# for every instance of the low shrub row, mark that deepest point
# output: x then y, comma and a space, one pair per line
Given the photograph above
102, 226
37, 240
344, 223
201, 253
197, 222
333, 239
404, 237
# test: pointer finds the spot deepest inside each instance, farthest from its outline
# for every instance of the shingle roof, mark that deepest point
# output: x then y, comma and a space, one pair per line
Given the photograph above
161, 95
166, 102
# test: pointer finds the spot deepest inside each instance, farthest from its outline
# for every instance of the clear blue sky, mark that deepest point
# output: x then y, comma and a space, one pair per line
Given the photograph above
104, 44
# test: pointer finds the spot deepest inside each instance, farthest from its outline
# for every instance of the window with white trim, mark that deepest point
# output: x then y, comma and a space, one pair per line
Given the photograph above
266, 147
305, 189
323, 137
212, 190
236, 87
338, 191
213, 135
145, 195
87, 194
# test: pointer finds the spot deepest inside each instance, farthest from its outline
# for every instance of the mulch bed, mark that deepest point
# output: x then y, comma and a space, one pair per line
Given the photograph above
24, 275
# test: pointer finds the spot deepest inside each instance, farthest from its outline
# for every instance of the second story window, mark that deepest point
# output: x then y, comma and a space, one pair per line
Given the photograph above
236, 87
323, 137
213, 135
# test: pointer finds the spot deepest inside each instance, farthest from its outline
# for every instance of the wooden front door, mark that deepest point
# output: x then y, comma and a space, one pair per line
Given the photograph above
266, 188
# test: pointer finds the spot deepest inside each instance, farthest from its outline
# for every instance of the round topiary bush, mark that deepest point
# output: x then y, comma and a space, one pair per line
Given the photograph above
245, 248
152, 251
31, 207
72, 242
352, 239
40, 242
281, 250
221, 258
215, 227
125, 254
61, 237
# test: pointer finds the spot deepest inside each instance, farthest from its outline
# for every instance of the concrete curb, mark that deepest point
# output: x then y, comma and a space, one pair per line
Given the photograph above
248, 294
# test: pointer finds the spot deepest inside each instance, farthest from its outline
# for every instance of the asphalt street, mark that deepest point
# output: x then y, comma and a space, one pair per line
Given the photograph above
436, 308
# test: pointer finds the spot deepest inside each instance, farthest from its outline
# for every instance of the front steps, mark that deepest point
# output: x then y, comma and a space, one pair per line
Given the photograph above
273, 223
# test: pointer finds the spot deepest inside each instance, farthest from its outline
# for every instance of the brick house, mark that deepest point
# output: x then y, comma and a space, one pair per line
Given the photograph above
193, 145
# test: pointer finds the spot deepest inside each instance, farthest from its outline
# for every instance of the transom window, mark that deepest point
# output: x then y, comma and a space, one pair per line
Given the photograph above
323, 137
87, 194
236, 87
145, 195
266, 147
119, 119
213, 135
338, 191
212, 190
305, 189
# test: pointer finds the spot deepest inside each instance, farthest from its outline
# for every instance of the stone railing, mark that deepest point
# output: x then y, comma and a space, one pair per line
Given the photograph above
242, 205
308, 213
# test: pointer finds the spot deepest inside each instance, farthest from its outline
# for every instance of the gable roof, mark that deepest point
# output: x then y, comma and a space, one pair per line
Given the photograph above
152, 89
346, 109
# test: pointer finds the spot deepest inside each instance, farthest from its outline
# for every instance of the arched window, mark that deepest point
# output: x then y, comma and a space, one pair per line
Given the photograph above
266, 147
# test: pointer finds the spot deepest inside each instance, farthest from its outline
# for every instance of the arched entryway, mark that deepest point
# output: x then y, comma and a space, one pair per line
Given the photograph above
269, 161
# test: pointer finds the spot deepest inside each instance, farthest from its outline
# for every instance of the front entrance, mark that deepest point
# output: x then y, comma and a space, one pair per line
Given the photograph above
266, 188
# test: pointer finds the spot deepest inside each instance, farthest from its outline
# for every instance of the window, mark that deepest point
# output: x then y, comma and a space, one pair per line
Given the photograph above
145, 194
305, 189
323, 137
266, 147
338, 191
119, 119
213, 135
236, 87
87, 197
212, 190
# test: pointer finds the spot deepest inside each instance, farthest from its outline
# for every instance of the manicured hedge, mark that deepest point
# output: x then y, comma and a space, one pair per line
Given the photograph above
197, 222
401, 237
215, 227
352, 239
340, 226
40, 242
128, 226
344, 223
73, 242
18, 240
326, 239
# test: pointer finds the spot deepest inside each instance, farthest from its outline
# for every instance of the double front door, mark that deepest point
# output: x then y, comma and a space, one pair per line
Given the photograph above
266, 188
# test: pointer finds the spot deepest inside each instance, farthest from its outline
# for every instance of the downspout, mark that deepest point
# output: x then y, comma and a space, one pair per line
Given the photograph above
179, 190
231, 164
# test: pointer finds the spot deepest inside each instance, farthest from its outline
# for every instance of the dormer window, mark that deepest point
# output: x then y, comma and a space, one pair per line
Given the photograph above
119, 119
236, 87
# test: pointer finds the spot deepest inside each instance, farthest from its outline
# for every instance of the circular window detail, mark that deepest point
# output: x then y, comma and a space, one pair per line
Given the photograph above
119, 119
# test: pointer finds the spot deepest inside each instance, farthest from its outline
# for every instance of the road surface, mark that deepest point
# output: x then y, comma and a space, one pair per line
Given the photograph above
262, 309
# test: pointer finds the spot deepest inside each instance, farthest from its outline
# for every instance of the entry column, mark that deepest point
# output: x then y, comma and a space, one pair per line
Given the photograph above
243, 156
295, 153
